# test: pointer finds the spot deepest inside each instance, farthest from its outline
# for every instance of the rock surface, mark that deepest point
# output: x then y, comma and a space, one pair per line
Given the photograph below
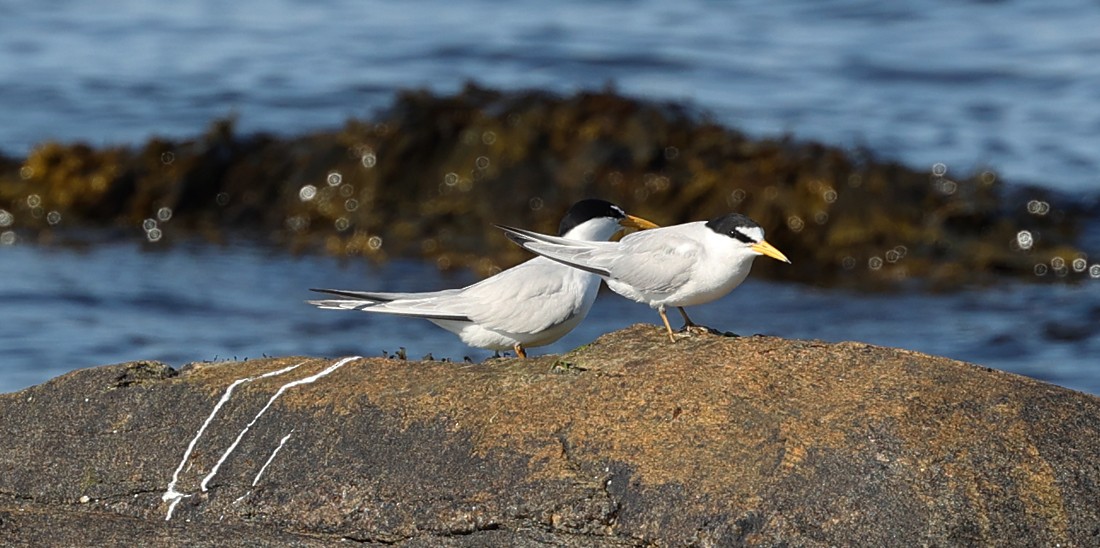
628, 441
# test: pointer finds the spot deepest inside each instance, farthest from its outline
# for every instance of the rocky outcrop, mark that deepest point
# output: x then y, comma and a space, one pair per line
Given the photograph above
429, 178
628, 441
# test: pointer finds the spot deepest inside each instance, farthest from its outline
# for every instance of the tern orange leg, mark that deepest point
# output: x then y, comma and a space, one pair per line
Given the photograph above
664, 318
520, 351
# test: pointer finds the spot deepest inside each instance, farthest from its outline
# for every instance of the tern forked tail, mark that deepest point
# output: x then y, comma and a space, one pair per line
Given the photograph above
417, 305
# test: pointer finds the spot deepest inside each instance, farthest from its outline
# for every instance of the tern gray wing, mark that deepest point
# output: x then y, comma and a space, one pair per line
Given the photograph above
651, 261
432, 305
385, 297
654, 262
563, 250
528, 298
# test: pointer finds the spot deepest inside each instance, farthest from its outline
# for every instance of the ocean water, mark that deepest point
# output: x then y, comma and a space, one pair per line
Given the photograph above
66, 308
1010, 85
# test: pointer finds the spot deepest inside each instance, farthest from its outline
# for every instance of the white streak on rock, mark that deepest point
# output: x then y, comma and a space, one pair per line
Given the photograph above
170, 494
279, 392
271, 458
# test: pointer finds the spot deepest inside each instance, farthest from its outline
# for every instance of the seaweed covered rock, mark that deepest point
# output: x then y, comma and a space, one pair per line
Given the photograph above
430, 176
629, 441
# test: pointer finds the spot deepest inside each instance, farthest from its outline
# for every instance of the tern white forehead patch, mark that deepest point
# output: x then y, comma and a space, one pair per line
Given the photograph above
754, 233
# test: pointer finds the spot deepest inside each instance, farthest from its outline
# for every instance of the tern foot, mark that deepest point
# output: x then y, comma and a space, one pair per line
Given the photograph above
696, 329
520, 351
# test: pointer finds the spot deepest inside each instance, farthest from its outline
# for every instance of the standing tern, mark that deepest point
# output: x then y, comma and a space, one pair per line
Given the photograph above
532, 304
680, 265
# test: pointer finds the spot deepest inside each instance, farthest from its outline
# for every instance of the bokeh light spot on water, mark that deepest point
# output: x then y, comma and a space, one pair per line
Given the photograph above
988, 178
946, 186
342, 224
297, 223
901, 251
450, 179
535, 203
829, 195
1024, 239
34, 200
795, 223
874, 263
334, 178
656, 183
892, 256
821, 217
1080, 264
1038, 207
1057, 263
222, 199
482, 162
167, 158
848, 262
939, 169
164, 214
6, 218
488, 137
26, 172
53, 217
374, 242
368, 159
671, 153
351, 205
153, 233
346, 190
737, 196
1041, 269
307, 193
36, 212
1094, 271
8, 238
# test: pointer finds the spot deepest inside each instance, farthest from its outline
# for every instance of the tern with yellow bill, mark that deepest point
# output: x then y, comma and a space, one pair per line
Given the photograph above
680, 265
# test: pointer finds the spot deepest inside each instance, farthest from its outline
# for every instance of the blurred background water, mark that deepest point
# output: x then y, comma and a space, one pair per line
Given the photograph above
1014, 86
193, 302
1009, 84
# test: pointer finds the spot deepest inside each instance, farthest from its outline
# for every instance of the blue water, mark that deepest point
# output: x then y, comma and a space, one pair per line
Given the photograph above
65, 309
1010, 85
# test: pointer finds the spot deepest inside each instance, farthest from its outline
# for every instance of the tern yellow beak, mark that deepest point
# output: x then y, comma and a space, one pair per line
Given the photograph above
630, 222
639, 223
764, 248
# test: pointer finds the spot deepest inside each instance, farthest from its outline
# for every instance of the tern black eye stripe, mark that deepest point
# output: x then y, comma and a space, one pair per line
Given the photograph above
741, 236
